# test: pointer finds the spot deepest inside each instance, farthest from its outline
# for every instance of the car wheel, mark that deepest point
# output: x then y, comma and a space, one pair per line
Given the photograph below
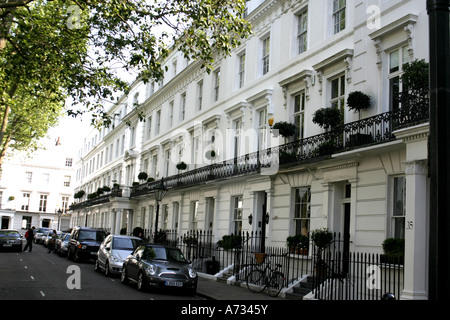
123, 276
76, 258
142, 282
107, 273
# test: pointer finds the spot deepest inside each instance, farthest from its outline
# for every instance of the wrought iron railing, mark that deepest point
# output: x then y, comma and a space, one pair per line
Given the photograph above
366, 132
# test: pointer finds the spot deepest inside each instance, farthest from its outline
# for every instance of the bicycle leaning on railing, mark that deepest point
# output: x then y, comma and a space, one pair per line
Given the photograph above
269, 278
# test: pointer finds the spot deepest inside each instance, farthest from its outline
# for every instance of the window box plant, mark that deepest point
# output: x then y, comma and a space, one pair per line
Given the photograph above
298, 244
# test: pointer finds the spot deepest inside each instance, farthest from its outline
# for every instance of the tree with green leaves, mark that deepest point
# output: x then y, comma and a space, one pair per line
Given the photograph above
52, 50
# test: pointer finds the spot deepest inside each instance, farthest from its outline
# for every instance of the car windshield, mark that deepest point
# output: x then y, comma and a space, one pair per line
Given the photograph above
9, 234
42, 230
91, 235
125, 244
169, 254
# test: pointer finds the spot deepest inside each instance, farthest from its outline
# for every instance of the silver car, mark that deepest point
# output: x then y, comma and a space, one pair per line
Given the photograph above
113, 251
159, 266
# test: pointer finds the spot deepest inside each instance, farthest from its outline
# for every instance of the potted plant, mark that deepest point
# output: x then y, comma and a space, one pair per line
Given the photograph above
190, 240
415, 79
358, 101
285, 129
393, 250
181, 165
79, 194
142, 176
328, 117
229, 242
321, 238
298, 244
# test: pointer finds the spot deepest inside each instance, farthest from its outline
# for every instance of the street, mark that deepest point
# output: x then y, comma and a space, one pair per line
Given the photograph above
40, 275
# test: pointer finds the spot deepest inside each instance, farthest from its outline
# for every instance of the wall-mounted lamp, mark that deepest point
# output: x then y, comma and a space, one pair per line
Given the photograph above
250, 219
270, 121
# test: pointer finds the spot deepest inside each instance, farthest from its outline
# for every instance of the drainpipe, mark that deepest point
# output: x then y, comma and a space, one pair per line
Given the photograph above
439, 152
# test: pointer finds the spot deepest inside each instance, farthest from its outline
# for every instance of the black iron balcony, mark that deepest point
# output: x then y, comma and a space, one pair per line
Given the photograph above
366, 132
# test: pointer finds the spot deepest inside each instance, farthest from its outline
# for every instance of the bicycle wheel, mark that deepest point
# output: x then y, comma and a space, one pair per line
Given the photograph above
276, 283
256, 281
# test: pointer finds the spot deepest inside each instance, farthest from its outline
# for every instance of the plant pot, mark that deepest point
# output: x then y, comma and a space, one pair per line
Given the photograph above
260, 257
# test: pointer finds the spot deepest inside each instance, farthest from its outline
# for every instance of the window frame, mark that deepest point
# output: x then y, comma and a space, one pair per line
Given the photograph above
237, 203
265, 54
241, 69
216, 84
297, 218
302, 31
300, 113
339, 100
339, 15
394, 76
396, 229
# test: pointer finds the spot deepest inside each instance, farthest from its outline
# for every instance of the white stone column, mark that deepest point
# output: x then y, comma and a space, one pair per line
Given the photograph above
118, 223
416, 233
417, 204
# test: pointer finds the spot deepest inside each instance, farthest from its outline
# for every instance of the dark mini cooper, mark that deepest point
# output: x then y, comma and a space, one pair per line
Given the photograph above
159, 266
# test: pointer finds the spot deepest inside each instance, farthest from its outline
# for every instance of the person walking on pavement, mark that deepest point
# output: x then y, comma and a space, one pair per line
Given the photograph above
29, 235
52, 241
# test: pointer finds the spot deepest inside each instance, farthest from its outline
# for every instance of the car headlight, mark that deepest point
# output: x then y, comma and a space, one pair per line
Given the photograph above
151, 269
114, 258
192, 272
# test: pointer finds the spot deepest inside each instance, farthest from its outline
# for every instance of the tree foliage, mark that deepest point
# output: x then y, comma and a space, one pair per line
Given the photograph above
54, 50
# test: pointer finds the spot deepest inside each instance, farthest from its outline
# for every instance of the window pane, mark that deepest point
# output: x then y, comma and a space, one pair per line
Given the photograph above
302, 211
393, 61
394, 92
335, 88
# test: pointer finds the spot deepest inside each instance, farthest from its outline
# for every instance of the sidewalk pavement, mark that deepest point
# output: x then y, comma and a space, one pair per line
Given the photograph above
209, 288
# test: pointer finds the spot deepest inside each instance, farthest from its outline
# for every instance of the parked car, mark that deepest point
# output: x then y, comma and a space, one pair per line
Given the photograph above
84, 243
39, 233
113, 251
159, 266
48, 235
61, 244
10, 240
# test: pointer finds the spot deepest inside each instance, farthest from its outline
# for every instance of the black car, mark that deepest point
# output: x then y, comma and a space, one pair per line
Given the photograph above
10, 240
159, 266
84, 243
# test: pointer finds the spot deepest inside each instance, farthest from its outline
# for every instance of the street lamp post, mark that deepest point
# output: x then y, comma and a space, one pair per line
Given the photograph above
160, 192
439, 153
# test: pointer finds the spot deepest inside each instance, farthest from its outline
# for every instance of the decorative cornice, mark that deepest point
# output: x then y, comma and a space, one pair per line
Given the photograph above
339, 166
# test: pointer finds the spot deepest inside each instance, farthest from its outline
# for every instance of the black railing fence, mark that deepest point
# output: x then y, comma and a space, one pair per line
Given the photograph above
335, 273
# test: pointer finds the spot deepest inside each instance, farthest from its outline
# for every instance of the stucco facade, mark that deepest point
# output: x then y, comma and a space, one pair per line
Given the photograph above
302, 56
